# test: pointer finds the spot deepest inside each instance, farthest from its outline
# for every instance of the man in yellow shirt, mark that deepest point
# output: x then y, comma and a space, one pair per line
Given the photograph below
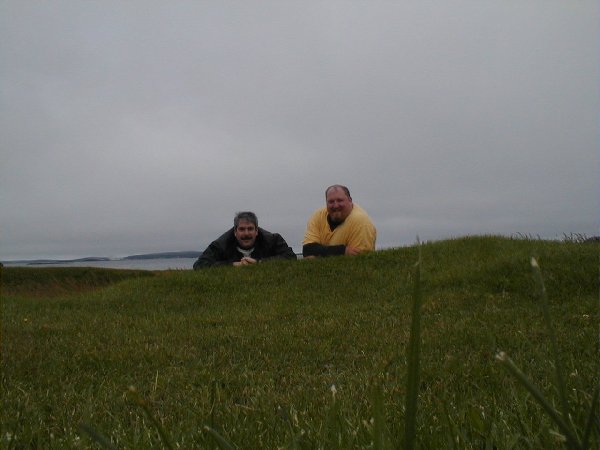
341, 228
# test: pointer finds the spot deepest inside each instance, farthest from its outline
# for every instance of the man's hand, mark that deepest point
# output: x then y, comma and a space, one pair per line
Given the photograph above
245, 261
351, 251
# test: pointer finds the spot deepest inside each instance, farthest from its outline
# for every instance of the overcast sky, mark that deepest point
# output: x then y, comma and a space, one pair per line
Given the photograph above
143, 126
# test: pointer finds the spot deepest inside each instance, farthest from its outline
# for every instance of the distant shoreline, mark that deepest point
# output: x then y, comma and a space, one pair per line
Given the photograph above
164, 255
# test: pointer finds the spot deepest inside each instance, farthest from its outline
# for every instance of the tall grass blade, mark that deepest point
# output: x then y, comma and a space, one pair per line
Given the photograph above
213, 402
537, 394
379, 418
590, 420
414, 348
451, 427
560, 381
96, 436
220, 440
332, 430
161, 431
294, 442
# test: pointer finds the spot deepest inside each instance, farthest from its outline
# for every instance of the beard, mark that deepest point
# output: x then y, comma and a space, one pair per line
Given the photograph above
336, 216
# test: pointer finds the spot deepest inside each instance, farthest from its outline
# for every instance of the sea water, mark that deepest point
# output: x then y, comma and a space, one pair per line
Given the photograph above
139, 264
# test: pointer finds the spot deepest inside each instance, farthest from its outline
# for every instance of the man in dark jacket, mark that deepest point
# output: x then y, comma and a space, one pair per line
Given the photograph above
244, 244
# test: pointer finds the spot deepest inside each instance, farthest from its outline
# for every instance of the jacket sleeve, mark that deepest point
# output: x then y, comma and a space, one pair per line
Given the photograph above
213, 256
206, 259
314, 249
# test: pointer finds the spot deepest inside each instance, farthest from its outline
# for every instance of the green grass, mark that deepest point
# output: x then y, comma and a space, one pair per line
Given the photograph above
306, 354
55, 281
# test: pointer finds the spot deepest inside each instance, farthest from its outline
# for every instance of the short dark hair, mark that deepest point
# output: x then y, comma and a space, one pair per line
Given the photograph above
245, 215
338, 186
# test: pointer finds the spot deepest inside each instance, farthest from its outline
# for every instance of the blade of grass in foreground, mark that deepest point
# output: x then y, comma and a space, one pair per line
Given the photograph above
590, 421
161, 431
563, 421
379, 418
414, 348
537, 394
560, 381
98, 437
220, 440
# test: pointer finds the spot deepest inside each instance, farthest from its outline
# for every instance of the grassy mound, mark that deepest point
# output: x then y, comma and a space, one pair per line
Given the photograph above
306, 354
53, 281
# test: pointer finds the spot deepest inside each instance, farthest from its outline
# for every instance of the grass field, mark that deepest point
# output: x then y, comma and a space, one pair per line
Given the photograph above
305, 354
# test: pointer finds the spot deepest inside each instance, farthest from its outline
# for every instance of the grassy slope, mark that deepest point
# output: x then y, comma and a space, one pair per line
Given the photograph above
254, 351
55, 281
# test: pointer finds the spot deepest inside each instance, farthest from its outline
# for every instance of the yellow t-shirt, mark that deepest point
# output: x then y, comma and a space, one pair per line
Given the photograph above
356, 231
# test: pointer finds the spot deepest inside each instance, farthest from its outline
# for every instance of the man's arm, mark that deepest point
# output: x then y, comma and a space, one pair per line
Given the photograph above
314, 249
212, 257
203, 261
206, 259
312, 237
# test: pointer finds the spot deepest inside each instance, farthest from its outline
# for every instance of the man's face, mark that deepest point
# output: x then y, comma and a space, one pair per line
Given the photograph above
245, 234
339, 205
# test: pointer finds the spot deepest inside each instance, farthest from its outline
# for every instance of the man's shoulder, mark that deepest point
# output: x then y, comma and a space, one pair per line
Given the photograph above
359, 214
225, 237
265, 233
319, 213
268, 238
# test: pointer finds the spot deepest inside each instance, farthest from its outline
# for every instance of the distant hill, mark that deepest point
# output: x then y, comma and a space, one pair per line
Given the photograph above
167, 255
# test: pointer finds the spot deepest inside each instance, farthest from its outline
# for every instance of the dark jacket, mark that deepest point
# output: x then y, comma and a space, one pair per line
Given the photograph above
223, 251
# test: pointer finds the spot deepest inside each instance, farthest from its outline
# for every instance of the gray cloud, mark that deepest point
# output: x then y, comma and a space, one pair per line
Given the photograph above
132, 127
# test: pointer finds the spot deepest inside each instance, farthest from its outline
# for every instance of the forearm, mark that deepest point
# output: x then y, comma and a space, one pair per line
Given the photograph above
314, 249
284, 255
212, 257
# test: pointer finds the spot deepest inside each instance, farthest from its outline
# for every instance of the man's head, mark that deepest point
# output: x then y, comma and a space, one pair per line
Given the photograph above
245, 228
339, 202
